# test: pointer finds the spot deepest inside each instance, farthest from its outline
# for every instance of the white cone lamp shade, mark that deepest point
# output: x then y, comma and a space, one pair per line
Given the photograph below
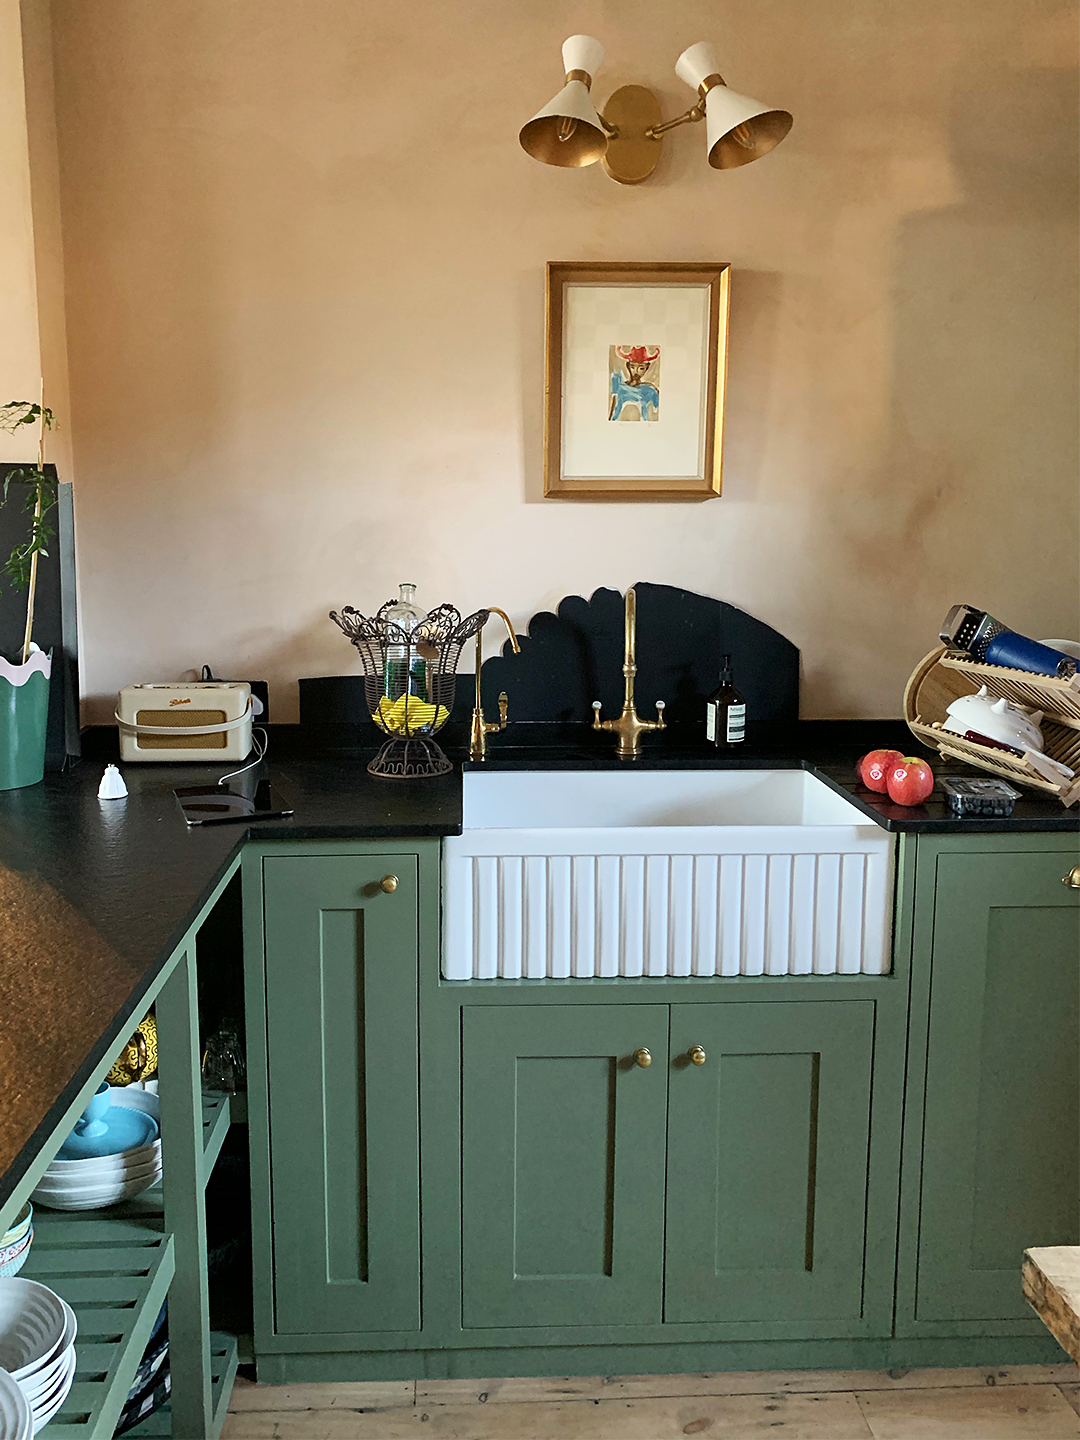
567, 131
739, 129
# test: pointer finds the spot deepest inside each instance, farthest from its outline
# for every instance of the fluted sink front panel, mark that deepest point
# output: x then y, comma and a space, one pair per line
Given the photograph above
654, 900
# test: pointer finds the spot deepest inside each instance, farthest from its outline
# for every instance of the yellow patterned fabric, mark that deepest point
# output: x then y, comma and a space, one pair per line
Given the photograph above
139, 1058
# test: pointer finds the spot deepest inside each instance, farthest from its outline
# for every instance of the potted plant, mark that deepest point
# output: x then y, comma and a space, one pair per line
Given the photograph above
24, 676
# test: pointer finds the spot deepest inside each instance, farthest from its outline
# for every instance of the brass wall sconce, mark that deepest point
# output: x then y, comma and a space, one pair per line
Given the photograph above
628, 134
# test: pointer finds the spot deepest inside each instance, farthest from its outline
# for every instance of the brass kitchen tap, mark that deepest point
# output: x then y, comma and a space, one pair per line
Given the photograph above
482, 728
629, 727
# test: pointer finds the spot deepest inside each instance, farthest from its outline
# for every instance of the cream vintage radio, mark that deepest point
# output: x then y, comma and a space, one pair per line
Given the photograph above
204, 720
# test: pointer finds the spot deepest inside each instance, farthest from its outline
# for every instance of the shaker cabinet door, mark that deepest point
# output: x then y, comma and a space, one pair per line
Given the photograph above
341, 1013
1000, 1164
563, 1165
768, 1153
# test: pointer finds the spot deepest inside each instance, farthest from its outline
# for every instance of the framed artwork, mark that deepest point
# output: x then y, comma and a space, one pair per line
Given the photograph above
636, 371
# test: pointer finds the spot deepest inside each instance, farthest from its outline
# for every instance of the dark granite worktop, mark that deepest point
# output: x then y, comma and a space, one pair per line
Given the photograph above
95, 896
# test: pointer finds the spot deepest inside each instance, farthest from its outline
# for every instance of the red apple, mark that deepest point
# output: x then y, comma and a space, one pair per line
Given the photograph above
873, 768
910, 781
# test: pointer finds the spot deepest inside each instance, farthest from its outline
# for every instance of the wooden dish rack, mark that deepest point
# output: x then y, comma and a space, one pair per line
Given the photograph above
943, 676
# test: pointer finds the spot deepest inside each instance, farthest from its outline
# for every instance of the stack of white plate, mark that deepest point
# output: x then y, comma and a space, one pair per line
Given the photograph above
93, 1183
37, 1351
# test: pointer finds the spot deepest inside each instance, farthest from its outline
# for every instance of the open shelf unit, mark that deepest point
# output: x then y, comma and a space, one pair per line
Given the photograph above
116, 1267
223, 1361
115, 1274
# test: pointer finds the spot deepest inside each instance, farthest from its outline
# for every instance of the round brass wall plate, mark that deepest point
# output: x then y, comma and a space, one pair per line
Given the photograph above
631, 156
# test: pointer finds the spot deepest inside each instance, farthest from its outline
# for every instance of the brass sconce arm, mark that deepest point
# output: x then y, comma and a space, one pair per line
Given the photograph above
482, 728
691, 116
696, 112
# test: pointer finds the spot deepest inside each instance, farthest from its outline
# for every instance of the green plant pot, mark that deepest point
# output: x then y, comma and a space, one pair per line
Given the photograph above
24, 712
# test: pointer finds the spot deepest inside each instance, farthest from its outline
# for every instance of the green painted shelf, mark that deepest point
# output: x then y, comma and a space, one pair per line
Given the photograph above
216, 1117
114, 1272
114, 1267
223, 1360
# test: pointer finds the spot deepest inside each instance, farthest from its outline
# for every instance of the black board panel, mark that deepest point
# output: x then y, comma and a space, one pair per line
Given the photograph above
55, 622
572, 657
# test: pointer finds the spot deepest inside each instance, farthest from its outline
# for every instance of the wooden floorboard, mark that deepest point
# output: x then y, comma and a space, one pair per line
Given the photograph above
1031, 1402
1015, 1412
756, 1382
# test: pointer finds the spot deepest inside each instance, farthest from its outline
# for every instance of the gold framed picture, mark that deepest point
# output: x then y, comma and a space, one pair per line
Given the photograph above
636, 370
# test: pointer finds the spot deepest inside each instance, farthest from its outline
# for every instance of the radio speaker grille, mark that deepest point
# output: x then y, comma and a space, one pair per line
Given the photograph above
180, 720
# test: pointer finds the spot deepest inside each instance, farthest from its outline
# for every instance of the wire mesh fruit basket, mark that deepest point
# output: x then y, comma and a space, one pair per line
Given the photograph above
409, 679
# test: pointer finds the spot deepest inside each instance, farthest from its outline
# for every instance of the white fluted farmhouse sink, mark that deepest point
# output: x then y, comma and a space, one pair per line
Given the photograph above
575, 874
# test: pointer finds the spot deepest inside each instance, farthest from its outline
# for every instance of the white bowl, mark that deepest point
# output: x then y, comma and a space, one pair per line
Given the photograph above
15, 1262
95, 1197
106, 1164
39, 1389
113, 1175
39, 1386
16, 1419
22, 1224
35, 1380
135, 1099
32, 1325
51, 1186
41, 1396
44, 1412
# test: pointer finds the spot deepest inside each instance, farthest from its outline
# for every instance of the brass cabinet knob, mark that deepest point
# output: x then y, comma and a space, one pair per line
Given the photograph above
696, 1055
389, 883
643, 1057
1072, 879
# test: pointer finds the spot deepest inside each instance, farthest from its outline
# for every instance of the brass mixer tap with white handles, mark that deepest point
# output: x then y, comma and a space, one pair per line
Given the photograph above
629, 727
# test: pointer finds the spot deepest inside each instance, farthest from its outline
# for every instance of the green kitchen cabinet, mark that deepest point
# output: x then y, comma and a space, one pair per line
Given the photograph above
341, 959
733, 1192
993, 1112
768, 1155
849, 1177
563, 1164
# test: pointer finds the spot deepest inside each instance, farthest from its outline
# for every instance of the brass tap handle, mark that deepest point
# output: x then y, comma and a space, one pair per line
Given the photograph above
642, 1057
504, 707
597, 706
1072, 879
661, 706
696, 1055
388, 884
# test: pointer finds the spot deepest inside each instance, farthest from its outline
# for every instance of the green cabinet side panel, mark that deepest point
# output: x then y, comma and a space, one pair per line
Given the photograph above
767, 1161
562, 1165
341, 1017
1000, 1164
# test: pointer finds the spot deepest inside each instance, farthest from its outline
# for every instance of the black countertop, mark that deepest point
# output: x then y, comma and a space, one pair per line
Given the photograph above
96, 895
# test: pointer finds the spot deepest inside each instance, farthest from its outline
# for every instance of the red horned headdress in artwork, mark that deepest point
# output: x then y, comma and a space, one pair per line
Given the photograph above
638, 354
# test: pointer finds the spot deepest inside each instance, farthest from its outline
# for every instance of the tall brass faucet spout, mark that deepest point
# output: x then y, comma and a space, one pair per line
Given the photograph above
629, 727
482, 728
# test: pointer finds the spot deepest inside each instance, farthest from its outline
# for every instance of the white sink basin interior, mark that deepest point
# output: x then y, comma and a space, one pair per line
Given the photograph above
580, 874
573, 799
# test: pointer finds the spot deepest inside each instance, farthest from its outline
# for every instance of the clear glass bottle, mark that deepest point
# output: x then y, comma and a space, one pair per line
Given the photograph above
223, 1065
725, 711
402, 662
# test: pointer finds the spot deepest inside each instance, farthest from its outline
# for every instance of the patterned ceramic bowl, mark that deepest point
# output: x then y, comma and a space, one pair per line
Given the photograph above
13, 1258
16, 1231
